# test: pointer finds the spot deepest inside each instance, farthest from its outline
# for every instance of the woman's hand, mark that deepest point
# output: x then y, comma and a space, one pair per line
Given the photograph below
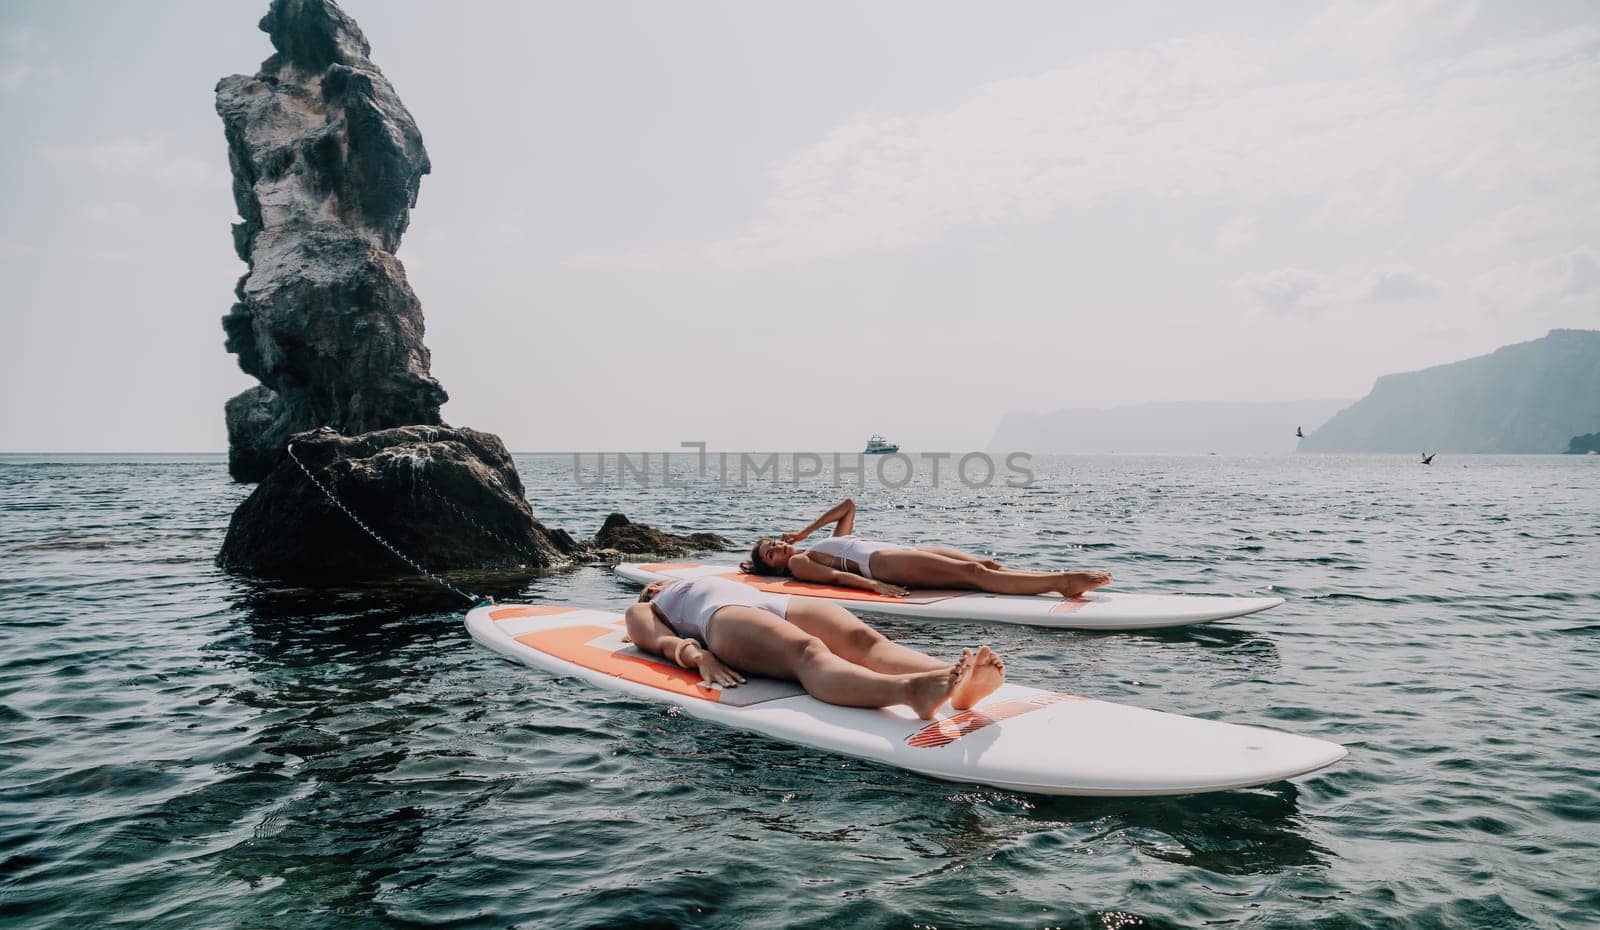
889, 590
790, 537
991, 564
714, 672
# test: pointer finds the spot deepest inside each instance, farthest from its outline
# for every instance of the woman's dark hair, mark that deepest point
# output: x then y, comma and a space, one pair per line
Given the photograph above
754, 565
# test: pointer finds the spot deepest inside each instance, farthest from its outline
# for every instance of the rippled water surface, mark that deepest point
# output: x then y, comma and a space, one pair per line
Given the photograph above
184, 748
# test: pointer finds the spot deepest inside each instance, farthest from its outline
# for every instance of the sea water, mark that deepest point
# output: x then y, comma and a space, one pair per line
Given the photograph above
179, 747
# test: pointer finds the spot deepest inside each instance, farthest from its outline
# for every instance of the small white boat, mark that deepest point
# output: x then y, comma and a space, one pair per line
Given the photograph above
878, 445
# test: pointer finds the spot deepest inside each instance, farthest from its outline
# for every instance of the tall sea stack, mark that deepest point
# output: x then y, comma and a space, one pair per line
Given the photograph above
326, 166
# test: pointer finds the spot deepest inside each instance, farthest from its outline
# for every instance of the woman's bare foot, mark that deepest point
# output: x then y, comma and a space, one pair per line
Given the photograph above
929, 690
988, 673
1075, 583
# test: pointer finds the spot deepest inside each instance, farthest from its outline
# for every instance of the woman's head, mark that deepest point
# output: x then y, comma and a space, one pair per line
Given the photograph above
768, 557
651, 590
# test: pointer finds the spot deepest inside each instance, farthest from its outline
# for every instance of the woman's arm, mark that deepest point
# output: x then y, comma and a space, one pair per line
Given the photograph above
805, 568
844, 513
650, 634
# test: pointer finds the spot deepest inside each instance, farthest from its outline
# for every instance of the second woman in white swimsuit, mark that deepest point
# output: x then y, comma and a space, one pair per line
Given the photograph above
725, 630
850, 561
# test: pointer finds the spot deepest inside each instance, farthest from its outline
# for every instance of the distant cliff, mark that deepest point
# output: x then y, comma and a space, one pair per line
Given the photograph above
1582, 445
1529, 397
1195, 427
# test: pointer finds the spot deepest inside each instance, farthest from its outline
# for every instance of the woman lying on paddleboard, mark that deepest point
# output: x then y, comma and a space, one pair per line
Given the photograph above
849, 561
726, 630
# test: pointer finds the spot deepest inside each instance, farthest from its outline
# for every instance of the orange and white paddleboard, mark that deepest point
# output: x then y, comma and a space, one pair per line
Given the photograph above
1019, 738
1097, 610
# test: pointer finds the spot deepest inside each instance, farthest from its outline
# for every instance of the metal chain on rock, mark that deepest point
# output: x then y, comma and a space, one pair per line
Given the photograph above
379, 539
461, 512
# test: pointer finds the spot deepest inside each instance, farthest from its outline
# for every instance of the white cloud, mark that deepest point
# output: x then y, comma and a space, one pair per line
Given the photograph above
1192, 121
14, 74
1544, 284
115, 213
147, 157
1235, 234
20, 40
1579, 272
14, 248
1528, 224
20, 53
1286, 290
1377, 30
1398, 283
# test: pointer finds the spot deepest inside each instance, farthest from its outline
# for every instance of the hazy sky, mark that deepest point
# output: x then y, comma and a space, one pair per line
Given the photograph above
787, 226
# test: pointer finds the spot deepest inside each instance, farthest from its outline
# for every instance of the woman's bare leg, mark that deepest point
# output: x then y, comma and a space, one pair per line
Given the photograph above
957, 554
918, 568
854, 641
990, 563
847, 637
759, 642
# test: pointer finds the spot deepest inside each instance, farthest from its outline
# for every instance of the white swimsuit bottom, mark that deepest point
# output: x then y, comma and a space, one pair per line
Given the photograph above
690, 605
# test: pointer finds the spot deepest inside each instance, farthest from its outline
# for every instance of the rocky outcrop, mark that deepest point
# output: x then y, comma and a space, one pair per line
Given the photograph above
345, 426
254, 443
624, 537
448, 498
326, 167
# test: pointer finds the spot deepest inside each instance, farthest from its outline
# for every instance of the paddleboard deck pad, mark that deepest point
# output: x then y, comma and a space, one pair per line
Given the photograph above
1019, 738
1097, 610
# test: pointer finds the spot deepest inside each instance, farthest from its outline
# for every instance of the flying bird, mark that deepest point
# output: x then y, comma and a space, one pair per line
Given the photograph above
1427, 457
1298, 433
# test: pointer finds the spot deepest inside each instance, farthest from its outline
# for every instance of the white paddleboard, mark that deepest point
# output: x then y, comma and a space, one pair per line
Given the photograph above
1097, 610
1019, 738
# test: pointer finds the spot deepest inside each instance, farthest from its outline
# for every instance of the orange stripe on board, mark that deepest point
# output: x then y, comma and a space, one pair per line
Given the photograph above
775, 585
946, 731
572, 644
1071, 605
669, 566
528, 610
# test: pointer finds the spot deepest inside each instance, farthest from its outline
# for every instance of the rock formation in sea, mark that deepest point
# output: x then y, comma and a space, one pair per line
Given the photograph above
326, 167
1528, 397
449, 498
625, 537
